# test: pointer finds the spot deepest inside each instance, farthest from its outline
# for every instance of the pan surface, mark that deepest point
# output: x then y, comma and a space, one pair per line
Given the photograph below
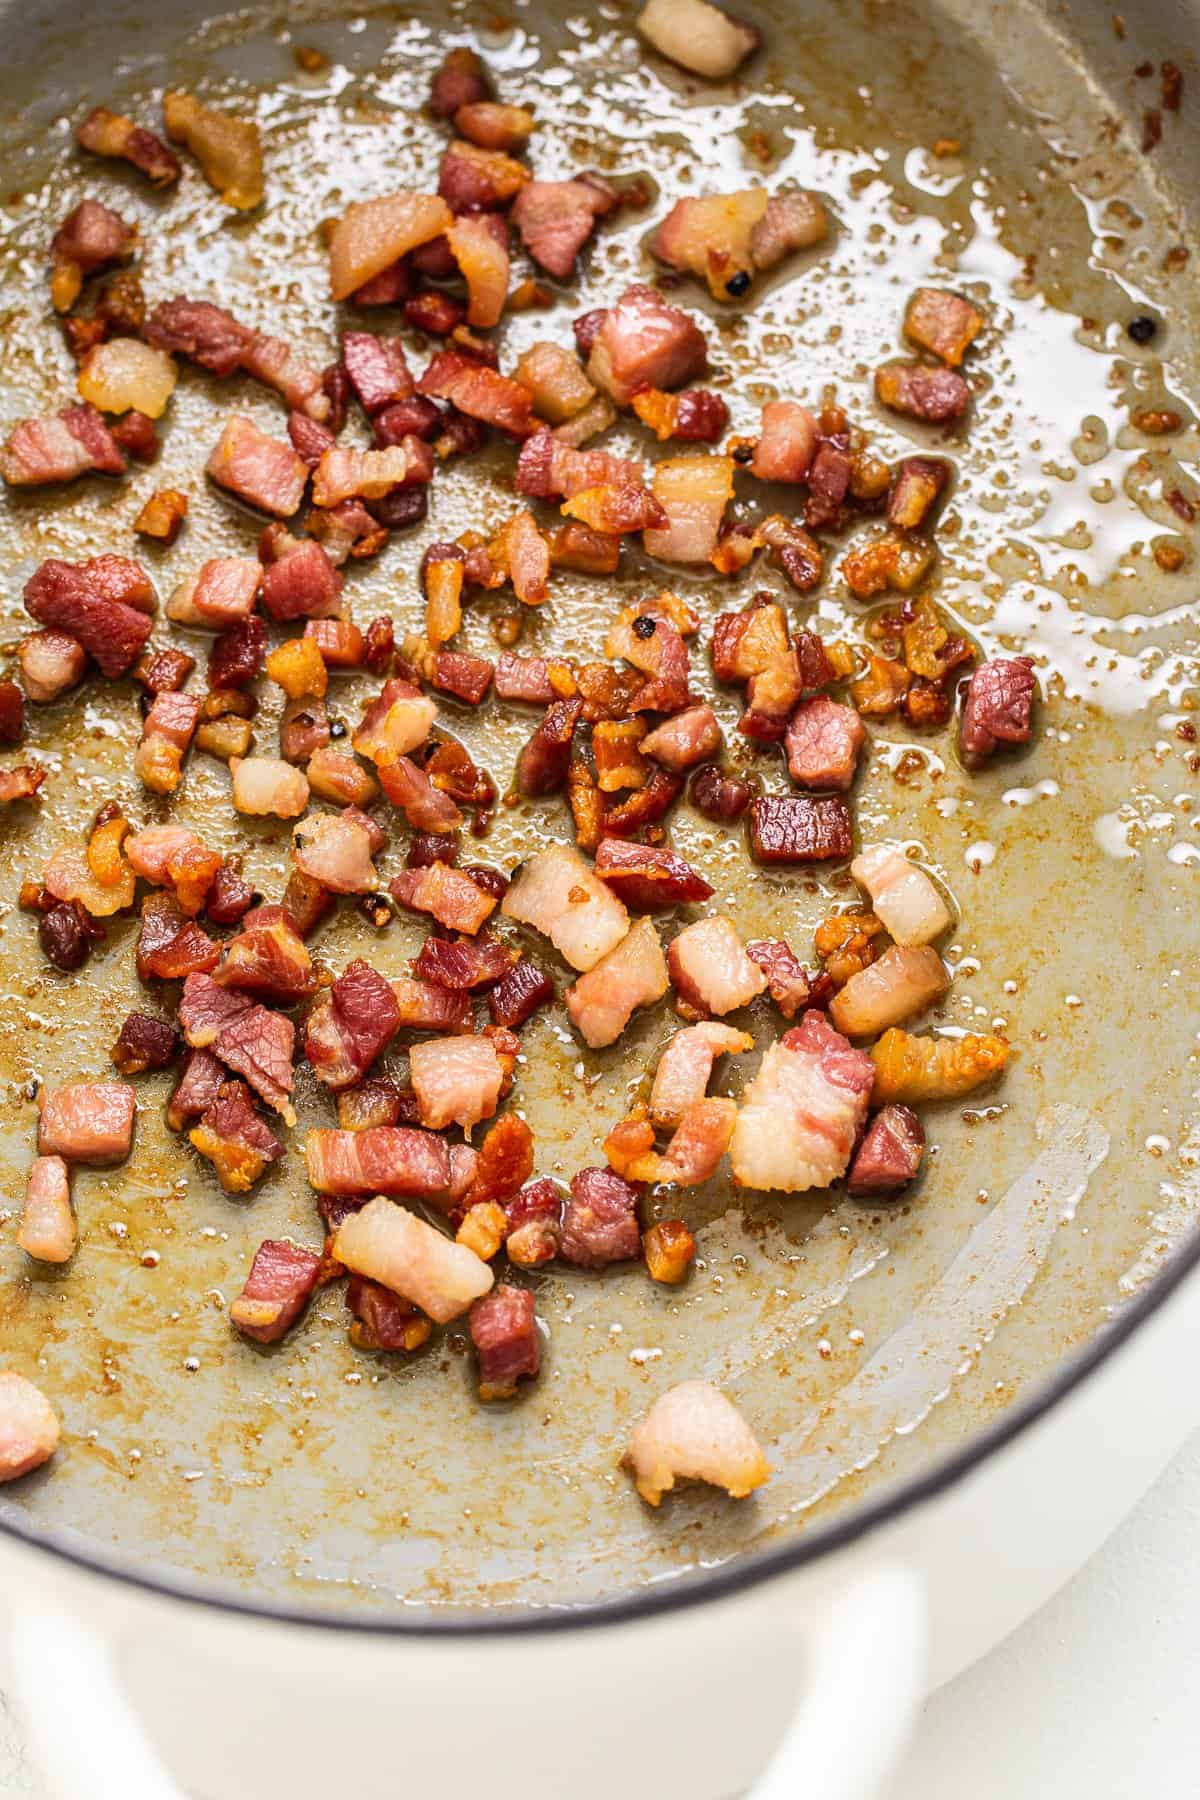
863, 1345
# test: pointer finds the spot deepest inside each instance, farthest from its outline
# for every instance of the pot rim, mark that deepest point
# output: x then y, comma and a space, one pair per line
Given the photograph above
731, 1578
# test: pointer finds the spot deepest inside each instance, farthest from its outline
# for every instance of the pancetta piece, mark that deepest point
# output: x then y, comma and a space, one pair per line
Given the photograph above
685, 1068
350, 1024
48, 1230
389, 1245
258, 469
902, 894
448, 895
29, 1428
457, 1080
634, 973
692, 1432
890, 1155
556, 218
710, 969
998, 708
600, 1221
648, 878
384, 1159
557, 893
505, 1335
282, 1279
70, 597
643, 342
335, 849
824, 741
800, 1115
87, 1121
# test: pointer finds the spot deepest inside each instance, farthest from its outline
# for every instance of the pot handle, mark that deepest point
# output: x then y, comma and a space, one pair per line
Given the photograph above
85, 1738
864, 1686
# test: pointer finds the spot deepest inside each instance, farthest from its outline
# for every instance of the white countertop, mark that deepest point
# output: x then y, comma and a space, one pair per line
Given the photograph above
1093, 1699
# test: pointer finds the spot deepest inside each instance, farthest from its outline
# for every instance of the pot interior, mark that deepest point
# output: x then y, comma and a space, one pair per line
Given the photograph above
863, 1344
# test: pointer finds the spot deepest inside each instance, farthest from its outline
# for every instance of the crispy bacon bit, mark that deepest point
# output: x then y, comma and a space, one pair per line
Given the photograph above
374, 234
645, 638
921, 393
649, 879
12, 713
38, 452
231, 896
669, 1249
427, 1006
465, 678
237, 655
643, 806
801, 1113
335, 776
449, 895
171, 946
903, 896
708, 42
345, 474
550, 470
90, 237
107, 133
382, 1321
710, 237
693, 1154
504, 1332
619, 763
481, 252
166, 738
602, 1002
310, 440
162, 516
461, 80
944, 323
377, 369
917, 486
711, 971
20, 784
279, 1286
52, 662
519, 994
557, 893
998, 707
234, 1137
787, 978
600, 1224
643, 342
845, 943
204, 333
479, 392
87, 1121
692, 1432
303, 584
392, 1246
257, 468
198, 1087
386, 1159
534, 1224
798, 829
697, 417
745, 643
890, 1155
228, 149
373, 1103
425, 806
556, 219
721, 798
543, 762
523, 554
891, 561
462, 964
824, 741
904, 981
690, 737
685, 1069
912, 1069
614, 511
492, 126
29, 1428
395, 723
474, 180
693, 492
557, 384
879, 690
268, 957
350, 1024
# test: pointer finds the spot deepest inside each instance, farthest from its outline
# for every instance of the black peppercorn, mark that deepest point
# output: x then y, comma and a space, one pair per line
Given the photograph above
644, 626
337, 728
738, 284
1142, 329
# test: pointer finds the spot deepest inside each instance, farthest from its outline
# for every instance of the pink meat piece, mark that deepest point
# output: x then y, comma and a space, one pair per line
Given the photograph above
648, 877
828, 484
998, 708
257, 468
235, 1138
801, 1114
171, 946
524, 678
425, 806
556, 218
711, 970
198, 1086
375, 475
685, 1068
466, 678
258, 1045
787, 442
378, 370
303, 584
519, 994
457, 1080
449, 895
268, 956
201, 332
20, 784
59, 448
824, 740
550, 470
546, 755
87, 1121
788, 981
226, 589
890, 1154
480, 392
279, 1286
121, 580
603, 1000
534, 1223
505, 1335
206, 1008
335, 849
29, 1429
385, 1159
427, 1006
91, 235
350, 1024
463, 963
653, 645
644, 342
52, 662
310, 439
277, 365
600, 1223
689, 738
796, 828
61, 596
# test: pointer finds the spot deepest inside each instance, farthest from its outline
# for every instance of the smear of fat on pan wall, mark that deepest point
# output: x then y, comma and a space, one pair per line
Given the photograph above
916, 1366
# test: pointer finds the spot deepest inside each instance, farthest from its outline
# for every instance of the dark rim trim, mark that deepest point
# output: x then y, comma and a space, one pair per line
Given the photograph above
730, 1578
